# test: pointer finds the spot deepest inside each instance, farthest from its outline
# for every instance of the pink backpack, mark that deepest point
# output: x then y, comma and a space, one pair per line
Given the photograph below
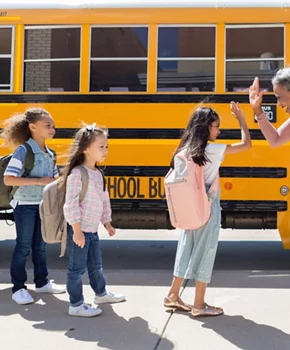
188, 202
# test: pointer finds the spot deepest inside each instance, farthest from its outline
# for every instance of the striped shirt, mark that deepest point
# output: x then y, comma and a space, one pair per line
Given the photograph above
95, 207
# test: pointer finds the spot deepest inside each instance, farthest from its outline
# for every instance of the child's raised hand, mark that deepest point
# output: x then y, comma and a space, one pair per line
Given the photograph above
111, 230
236, 111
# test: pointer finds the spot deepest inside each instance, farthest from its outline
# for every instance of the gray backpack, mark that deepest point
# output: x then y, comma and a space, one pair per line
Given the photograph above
53, 223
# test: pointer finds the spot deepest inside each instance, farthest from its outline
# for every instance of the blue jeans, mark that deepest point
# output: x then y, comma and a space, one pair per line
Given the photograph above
28, 237
89, 257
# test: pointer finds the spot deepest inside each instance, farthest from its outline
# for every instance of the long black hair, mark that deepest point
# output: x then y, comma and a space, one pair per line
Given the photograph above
196, 135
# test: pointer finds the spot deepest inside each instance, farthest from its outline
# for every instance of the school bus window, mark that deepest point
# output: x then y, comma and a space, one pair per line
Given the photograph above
52, 58
119, 59
260, 56
186, 58
6, 58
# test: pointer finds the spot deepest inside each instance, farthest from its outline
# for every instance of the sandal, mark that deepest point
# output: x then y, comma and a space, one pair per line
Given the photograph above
206, 311
178, 304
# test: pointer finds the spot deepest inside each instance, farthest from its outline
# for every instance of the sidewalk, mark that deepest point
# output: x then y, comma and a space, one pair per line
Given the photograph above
256, 303
251, 281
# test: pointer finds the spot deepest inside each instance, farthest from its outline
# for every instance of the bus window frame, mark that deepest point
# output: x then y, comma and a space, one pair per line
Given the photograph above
253, 25
214, 59
124, 59
12, 59
56, 26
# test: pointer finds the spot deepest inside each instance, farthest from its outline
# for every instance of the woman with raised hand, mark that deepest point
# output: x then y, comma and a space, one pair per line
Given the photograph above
281, 87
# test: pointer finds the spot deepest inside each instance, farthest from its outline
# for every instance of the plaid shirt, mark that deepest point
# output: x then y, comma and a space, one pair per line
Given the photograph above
95, 208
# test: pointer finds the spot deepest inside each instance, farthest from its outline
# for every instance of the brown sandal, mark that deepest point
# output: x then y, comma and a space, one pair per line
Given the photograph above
207, 311
178, 304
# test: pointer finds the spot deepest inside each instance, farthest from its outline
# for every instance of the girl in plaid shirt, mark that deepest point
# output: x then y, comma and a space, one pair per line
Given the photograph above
89, 148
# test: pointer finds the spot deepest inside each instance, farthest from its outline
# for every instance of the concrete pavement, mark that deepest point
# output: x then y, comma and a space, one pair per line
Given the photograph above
251, 282
255, 319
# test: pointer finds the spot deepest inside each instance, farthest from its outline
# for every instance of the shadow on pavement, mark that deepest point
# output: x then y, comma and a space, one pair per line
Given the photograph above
109, 330
246, 334
220, 279
159, 255
238, 264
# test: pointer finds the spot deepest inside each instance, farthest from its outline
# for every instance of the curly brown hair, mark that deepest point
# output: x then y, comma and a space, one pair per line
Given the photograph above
16, 129
82, 140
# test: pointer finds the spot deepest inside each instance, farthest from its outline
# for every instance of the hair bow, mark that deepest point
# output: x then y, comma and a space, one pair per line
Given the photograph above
91, 127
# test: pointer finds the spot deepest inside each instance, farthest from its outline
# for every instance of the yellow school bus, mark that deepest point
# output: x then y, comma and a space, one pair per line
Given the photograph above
140, 68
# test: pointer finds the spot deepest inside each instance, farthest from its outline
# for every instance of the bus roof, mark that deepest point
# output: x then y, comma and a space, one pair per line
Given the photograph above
82, 4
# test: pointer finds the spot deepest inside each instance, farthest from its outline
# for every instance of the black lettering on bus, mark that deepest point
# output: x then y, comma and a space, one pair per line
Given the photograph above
121, 187
161, 189
139, 194
153, 191
132, 187
156, 188
112, 186
3, 14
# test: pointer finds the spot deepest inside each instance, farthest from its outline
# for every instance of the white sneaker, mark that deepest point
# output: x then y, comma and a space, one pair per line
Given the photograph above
84, 310
109, 298
22, 297
51, 288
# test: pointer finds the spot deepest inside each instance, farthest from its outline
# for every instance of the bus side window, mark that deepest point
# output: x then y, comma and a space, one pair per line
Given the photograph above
6, 58
119, 59
244, 61
52, 58
184, 62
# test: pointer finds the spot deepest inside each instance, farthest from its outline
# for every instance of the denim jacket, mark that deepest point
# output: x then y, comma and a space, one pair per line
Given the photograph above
43, 166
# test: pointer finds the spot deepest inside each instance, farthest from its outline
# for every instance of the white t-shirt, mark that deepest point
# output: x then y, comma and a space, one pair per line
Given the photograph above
215, 153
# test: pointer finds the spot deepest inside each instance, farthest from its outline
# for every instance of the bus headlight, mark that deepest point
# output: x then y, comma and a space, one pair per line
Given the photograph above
284, 190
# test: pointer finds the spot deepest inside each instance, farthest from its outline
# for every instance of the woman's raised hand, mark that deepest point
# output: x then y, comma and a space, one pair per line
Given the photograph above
256, 97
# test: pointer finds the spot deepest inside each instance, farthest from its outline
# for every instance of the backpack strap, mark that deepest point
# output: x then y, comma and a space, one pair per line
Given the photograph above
104, 181
28, 165
54, 155
85, 181
29, 160
63, 240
